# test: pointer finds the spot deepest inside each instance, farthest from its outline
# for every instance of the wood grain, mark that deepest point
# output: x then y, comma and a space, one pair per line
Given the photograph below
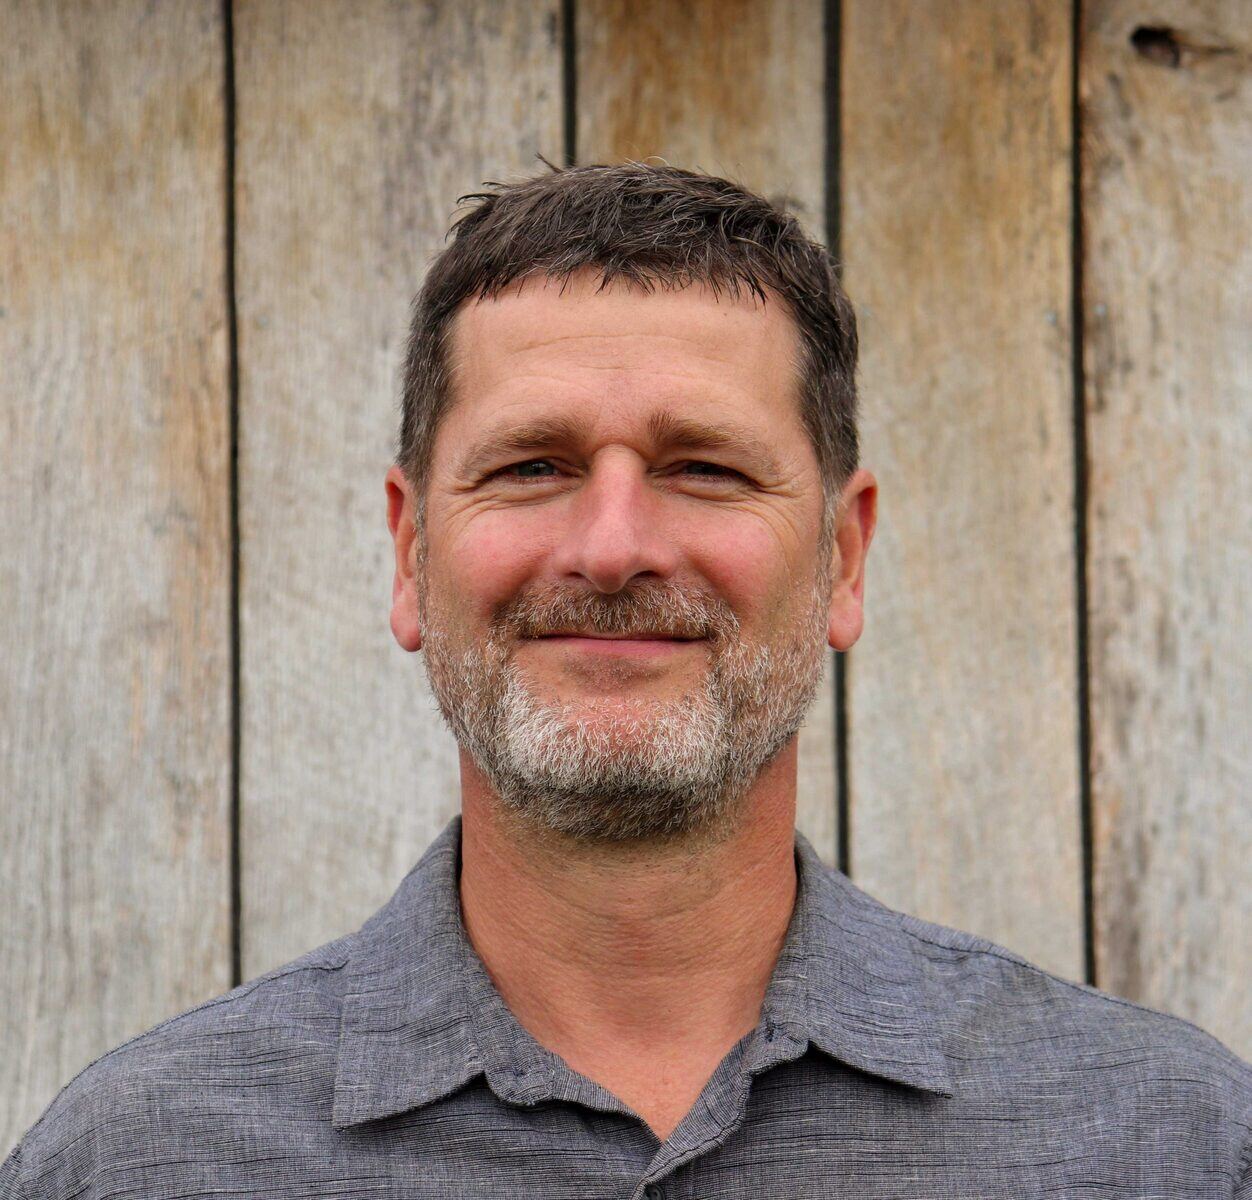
964, 762
115, 564
734, 88
1167, 171
359, 125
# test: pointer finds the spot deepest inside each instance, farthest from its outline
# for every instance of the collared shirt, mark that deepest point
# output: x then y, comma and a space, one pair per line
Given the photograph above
893, 1058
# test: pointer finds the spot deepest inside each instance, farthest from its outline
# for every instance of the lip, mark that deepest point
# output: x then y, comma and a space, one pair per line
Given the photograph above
621, 637
623, 647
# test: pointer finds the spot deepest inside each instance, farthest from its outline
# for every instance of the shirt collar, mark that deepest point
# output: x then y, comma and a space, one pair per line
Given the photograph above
853, 982
421, 1016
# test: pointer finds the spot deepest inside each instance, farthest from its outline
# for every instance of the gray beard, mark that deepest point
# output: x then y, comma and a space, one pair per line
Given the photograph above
623, 769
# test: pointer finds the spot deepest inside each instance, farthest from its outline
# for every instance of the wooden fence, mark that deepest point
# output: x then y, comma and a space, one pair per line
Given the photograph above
213, 218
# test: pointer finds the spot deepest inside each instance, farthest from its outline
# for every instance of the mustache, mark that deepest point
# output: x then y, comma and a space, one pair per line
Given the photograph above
649, 608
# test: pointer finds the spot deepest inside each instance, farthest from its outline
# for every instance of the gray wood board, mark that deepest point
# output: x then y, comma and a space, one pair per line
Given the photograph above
115, 567
1167, 171
358, 128
962, 694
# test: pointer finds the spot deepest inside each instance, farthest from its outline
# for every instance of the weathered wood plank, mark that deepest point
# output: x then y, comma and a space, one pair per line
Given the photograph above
964, 764
115, 565
358, 127
735, 89
1167, 173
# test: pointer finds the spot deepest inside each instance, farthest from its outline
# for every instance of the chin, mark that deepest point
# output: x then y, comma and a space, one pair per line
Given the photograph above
631, 715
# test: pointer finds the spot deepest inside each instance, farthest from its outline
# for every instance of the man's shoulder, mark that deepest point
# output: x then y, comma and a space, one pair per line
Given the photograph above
285, 1019
990, 999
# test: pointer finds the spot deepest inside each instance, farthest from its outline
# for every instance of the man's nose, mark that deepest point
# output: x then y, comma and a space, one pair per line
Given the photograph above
616, 529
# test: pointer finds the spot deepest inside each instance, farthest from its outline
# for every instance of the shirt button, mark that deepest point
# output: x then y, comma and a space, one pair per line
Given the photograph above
652, 1192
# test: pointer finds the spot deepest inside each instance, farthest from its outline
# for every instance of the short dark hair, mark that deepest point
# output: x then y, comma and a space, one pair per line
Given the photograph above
650, 225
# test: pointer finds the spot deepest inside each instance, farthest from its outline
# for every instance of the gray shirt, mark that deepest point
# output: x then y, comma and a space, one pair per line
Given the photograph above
893, 1058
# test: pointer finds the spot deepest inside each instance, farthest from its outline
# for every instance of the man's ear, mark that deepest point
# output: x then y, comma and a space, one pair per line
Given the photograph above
401, 512
854, 530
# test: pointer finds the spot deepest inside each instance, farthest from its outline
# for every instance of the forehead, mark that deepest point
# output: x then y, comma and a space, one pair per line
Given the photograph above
543, 342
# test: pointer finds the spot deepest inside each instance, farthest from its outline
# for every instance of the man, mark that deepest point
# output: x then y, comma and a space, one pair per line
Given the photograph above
628, 518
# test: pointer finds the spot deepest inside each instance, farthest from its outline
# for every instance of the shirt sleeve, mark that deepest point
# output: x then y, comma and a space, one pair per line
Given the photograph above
1243, 1187
10, 1183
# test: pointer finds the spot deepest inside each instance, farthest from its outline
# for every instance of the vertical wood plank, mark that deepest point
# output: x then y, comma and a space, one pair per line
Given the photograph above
964, 763
1167, 174
358, 127
115, 564
734, 88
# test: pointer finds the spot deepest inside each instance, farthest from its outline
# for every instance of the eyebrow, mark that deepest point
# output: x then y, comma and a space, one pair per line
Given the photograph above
665, 428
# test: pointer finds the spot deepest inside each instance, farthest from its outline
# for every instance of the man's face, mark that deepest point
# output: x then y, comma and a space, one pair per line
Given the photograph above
622, 598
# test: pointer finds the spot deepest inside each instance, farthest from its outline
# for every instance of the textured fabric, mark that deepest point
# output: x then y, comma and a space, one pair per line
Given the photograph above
893, 1058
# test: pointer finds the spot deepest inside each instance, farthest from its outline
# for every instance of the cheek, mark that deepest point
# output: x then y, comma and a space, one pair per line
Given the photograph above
746, 563
484, 562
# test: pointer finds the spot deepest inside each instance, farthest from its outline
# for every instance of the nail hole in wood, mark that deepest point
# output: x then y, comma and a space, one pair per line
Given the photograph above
1158, 44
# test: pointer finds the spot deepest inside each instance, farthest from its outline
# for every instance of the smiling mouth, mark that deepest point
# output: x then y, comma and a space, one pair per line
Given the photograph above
620, 646
621, 637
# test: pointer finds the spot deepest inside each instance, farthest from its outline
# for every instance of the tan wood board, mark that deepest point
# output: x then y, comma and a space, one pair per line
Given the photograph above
115, 564
358, 127
962, 694
735, 89
1167, 187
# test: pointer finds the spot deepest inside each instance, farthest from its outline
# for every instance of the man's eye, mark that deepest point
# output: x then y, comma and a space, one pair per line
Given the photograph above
532, 468
711, 470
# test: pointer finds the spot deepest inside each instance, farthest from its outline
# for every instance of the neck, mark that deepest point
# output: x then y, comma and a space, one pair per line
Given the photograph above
603, 950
